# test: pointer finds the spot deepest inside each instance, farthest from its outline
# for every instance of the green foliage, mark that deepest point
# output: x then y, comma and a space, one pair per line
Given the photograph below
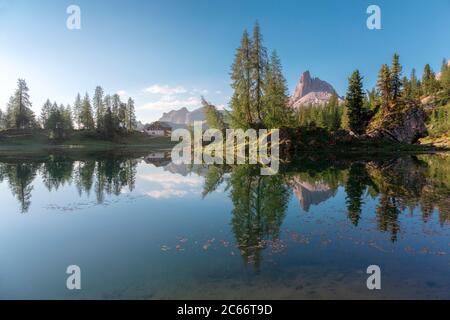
214, 118
130, 116
275, 99
439, 121
328, 116
357, 115
19, 114
430, 85
384, 85
86, 118
395, 76
99, 106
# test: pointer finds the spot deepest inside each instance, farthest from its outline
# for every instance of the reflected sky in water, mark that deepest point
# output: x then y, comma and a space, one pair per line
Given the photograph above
140, 226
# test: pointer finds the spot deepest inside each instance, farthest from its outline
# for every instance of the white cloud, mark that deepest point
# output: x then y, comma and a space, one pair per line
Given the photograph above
218, 92
168, 193
171, 185
165, 89
200, 91
121, 92
167, 103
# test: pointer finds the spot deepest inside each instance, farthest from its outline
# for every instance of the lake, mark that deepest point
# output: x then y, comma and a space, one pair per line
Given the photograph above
140, 226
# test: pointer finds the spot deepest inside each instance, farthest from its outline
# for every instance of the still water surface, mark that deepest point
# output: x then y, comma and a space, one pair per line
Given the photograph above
142, 227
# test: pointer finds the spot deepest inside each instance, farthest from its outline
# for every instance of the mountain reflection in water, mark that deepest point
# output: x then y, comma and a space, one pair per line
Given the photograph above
384, 191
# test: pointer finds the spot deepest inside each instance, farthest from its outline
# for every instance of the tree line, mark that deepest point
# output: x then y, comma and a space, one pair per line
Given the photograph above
105, 114
260, 95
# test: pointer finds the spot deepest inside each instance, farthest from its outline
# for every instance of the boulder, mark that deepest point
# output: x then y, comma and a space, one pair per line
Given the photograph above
405, 127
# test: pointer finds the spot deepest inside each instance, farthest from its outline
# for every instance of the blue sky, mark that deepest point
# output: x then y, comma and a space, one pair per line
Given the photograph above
166, 54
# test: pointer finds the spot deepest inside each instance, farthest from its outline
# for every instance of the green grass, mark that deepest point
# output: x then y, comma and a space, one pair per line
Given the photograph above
30, 141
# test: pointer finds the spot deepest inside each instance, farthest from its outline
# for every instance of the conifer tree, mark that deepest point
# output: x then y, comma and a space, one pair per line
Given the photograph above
396, 83
429, 81
242, 113
77, 108
130, 118
86, 118
258, 56
19, 113
98, 105
45, 113
355, 104
275, 99
214, 118
384, 85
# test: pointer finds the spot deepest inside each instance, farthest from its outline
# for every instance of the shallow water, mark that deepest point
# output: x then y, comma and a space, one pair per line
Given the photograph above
142, 227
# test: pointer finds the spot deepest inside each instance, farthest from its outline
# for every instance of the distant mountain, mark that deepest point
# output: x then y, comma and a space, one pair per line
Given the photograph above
311, 91
183, 116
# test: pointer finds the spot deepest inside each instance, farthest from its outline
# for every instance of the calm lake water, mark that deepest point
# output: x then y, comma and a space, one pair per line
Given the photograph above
142, 227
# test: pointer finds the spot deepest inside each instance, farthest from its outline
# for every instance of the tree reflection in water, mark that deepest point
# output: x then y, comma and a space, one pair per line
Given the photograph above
260, 202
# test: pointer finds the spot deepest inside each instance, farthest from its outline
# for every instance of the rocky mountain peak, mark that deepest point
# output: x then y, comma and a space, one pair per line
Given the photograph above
312, 91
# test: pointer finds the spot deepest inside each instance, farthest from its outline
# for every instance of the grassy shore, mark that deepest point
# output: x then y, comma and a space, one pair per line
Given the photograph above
33, 141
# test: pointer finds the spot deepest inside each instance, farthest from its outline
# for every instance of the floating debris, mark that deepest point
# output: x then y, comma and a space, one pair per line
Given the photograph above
165, 248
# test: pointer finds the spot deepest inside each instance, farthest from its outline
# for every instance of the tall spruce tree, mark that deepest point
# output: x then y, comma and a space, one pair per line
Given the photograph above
86, 118
45, 113
384, 86
355, 104
77, 108
396, 82
19, 113
428, 81
130, 118
242, 114
258, 56
275, 99
98, 105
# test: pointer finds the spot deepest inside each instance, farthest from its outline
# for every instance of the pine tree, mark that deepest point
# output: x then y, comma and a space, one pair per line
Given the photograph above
214, 118
396, 83
428, 81
258, 56
19, 113
384, 85
115, 110
355, 103
130, 118
45, 113
2, 120
414, 85
275, 99
77, 108
98, 105
86, 119
444, 94
242, 113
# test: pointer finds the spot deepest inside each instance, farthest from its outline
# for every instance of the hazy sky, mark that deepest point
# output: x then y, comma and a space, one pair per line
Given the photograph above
166, 54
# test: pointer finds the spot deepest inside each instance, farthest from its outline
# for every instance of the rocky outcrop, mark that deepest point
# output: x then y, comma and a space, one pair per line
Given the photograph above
406, 127
311, 91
